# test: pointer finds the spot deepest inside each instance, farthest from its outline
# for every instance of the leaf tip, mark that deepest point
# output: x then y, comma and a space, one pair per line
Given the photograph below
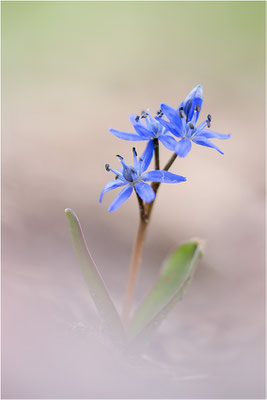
201, 243
72, 217
69, 212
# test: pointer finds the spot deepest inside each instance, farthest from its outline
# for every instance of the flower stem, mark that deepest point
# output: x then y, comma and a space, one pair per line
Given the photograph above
170, 162
142, 210
145, 213
133, 272
156, 150
155, 185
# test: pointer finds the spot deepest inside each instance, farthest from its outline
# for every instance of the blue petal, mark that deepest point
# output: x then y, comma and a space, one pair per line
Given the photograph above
162, 176
110, 186
183, 147
195, 97
205, 142
151, 123
140, 127
126, 135
121, 198
196, 101
196, 92
145, 191
208, 134
168, 141
147, 155
171, 113
170, 127
194, 117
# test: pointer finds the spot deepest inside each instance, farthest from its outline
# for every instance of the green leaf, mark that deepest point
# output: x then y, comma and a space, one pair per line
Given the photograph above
109, 316
175, 276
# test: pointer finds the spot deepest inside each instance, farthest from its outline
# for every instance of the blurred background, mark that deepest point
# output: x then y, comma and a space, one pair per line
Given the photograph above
71, 71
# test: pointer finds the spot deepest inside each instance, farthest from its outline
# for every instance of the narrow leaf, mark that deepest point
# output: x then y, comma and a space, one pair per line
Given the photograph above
109, 316
175, 276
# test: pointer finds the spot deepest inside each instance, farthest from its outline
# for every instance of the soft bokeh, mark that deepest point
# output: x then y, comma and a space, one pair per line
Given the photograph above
70, 72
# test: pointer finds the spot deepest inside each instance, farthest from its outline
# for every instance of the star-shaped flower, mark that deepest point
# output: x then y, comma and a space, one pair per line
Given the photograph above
135, 178
182, 124
148, 131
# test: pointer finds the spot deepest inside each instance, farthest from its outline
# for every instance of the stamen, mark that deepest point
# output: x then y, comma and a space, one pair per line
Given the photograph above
181, 112
208, 120
144, 114
120, 157
107, 167
134, 151
160, 113
137, 118
191, 126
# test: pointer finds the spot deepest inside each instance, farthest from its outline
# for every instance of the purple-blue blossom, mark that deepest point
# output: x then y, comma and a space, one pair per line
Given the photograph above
135, 178
182, 124
147, 129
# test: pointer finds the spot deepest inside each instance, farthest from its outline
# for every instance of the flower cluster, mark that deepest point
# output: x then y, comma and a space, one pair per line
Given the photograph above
181, 124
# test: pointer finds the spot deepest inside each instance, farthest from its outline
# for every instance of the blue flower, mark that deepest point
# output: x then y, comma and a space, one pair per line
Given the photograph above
135, 178
149, 131
182, 124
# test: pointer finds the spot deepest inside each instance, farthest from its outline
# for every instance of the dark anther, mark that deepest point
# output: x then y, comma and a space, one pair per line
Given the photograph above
137, 118
160, 114
117, 176
181, 112
120, 157
191, 126
197, 108
107, 167
143, 114
209, 117
208, 123
134, 151
140, 159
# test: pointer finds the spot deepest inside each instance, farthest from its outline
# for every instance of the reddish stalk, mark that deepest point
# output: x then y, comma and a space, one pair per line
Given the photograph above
145, 213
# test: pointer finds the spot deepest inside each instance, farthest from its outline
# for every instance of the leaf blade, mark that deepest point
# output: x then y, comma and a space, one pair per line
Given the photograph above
175, 276
105, 307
